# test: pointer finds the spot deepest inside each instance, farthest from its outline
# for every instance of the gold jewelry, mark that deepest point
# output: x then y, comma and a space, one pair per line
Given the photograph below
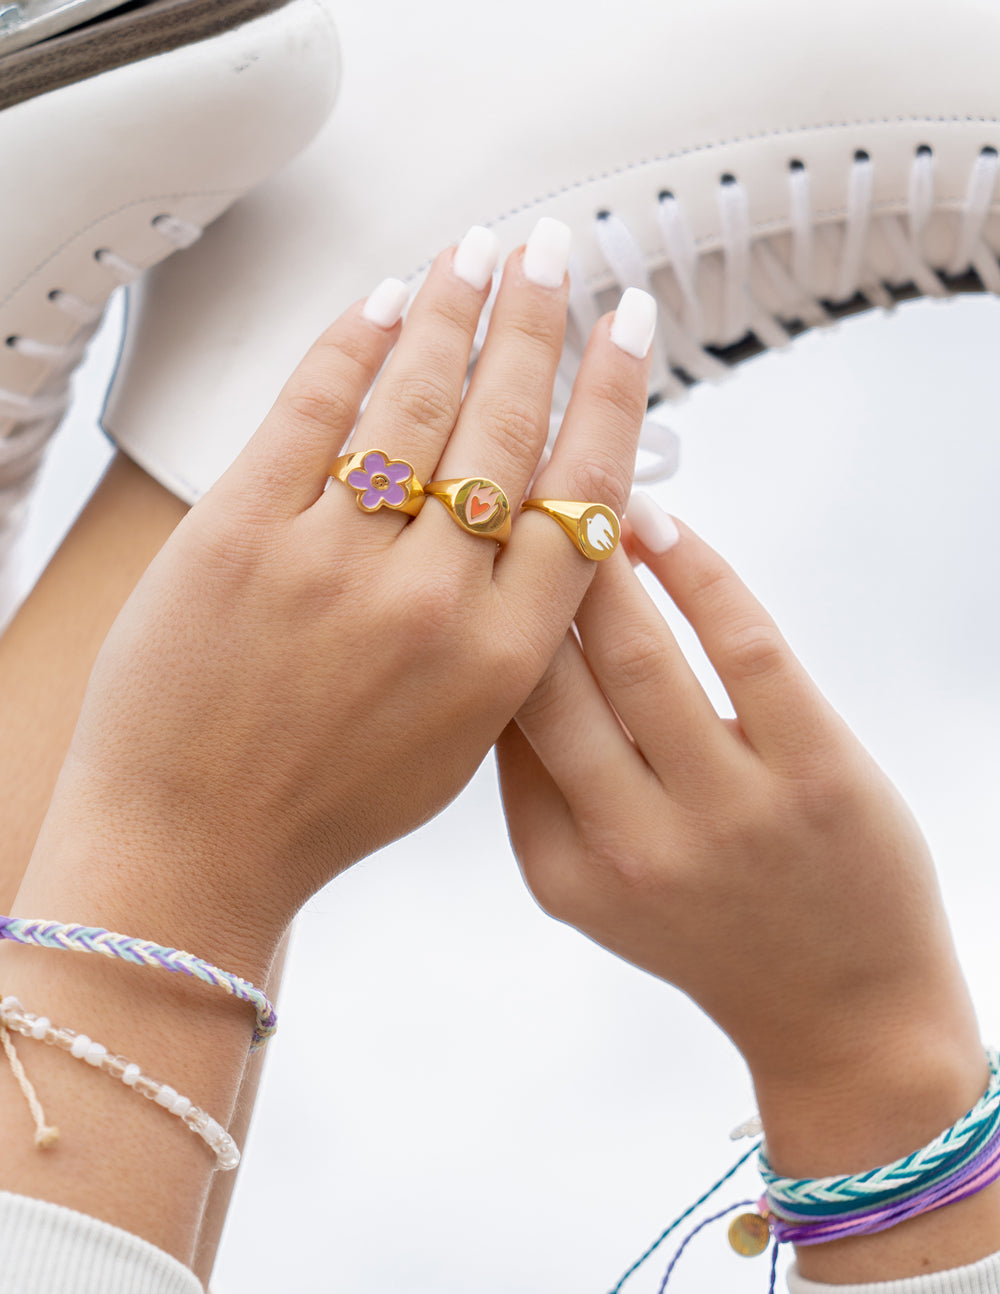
380, 481
477, 505
593, 528
749, 1234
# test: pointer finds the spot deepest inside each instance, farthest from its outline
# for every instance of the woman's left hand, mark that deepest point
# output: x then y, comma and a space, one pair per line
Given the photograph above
296, 682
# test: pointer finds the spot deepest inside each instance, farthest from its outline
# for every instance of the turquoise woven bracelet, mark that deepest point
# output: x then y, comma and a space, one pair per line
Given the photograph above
812, 1199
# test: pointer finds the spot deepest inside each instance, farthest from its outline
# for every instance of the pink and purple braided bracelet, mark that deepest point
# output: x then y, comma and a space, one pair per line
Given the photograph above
141, 952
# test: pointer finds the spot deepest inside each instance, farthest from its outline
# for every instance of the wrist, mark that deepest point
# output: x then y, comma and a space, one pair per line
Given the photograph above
901, 1089
137, 880
876, 1106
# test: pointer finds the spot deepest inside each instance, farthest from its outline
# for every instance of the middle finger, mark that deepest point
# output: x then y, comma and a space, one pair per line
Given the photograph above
504, 420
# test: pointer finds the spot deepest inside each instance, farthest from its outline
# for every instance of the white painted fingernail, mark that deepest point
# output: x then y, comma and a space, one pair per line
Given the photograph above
654, 528
634, 323
546, 253
386, 304
476, 257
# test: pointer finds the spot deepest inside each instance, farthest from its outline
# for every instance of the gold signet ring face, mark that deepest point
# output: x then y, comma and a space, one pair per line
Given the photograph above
476, 504
593, 528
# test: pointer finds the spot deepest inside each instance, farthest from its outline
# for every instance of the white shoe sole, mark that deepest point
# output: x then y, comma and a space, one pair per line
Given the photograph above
116, 39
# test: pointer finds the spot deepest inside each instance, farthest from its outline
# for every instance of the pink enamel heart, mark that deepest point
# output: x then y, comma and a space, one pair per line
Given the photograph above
478, 510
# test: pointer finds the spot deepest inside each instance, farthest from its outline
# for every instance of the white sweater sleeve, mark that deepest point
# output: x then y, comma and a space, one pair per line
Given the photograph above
51, 1250
979, 1278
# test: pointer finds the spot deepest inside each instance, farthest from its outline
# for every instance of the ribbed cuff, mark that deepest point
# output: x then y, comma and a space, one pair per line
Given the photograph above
978, 1278
48, 1249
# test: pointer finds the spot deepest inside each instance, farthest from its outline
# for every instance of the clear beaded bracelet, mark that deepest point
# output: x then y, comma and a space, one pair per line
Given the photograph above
13, 1017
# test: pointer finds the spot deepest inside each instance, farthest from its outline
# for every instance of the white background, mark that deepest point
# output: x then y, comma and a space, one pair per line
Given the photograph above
465, 1096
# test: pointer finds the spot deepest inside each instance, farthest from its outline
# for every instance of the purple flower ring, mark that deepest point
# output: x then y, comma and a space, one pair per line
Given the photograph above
380, 481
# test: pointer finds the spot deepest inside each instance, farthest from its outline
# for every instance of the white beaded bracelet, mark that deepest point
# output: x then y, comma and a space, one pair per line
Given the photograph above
13, 1016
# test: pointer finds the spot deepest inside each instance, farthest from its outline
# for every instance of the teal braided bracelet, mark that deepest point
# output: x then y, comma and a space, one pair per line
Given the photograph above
92, 939
962, 1160
943, 1158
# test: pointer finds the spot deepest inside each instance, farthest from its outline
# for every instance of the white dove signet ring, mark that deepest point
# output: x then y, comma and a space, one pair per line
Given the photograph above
593, 528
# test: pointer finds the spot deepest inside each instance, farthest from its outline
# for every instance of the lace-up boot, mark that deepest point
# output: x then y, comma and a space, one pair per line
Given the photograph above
760, 169
119, 142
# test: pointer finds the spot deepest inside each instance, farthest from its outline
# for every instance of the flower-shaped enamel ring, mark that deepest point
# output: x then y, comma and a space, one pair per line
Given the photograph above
477, 505
380, 481
593, 528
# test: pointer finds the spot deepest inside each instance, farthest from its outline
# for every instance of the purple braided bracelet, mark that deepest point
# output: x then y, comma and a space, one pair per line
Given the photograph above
92, 939
974, 1176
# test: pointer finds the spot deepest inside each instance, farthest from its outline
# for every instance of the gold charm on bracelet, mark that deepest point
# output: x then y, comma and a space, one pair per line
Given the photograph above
593, 528
749, 1234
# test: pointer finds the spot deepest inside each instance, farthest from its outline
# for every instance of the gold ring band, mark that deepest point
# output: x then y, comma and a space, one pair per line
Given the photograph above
479, 506
593, 528
380, 481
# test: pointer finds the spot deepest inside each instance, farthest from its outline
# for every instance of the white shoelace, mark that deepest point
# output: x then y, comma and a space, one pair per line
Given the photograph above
36, 416
782, 265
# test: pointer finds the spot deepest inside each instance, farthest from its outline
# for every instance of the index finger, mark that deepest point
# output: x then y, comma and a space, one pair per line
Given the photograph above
781, 712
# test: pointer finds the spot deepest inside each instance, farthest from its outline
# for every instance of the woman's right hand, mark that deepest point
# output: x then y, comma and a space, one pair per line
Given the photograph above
764, 865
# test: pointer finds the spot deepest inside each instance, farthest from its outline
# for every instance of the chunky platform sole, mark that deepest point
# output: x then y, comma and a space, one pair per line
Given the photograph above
136, 31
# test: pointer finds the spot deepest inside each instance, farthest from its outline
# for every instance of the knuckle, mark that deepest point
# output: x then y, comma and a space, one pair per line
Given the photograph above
539, 331
621, 392
316, 404
755, 651
339, 344
518, 428
710, 586
546, 697
621, 869
439, 603
824, 796
601, 479
634, 659
456, 312
425, 399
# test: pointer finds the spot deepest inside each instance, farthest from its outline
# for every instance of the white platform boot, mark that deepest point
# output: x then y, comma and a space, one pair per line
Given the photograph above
118, 144
761, 168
